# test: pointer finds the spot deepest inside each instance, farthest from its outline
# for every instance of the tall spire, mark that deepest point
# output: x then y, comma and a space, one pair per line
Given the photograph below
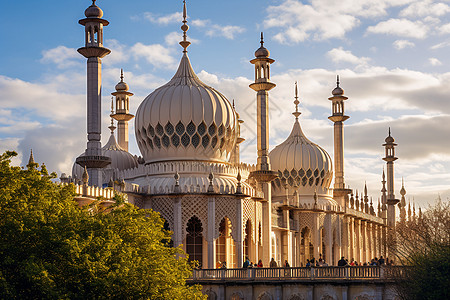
262, 39
184, 43
31, 159
296, 102
112, 127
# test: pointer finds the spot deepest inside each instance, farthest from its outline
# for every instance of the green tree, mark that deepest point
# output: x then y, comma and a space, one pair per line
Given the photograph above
52, 249
423, 244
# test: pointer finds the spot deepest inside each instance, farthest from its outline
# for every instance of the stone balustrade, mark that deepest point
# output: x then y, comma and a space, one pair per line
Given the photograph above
301, 273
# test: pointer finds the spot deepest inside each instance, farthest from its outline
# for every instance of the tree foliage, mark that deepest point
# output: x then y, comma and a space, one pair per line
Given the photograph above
423, 243
52, 249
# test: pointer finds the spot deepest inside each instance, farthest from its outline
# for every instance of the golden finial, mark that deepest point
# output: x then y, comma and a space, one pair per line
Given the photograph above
296, 102
184, 43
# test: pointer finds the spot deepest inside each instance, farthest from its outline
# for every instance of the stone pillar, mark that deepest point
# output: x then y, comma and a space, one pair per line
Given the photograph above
177, 223
358, 250
329, 241
345, 251
267, 224
315, 235
211, 230
239, 227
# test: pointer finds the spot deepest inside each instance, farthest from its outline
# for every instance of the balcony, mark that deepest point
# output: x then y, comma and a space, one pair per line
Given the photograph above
359, 273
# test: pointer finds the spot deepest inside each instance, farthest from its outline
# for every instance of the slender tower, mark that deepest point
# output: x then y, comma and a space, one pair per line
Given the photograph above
122, 115
389, 146
389, 158
93, 50
338, 117
263, 174
402, 204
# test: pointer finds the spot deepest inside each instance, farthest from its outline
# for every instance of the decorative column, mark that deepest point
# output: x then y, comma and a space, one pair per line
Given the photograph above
389, 158
338, 117
239, 233
122, 114
211, 230
263, 174
93, 159
177, 214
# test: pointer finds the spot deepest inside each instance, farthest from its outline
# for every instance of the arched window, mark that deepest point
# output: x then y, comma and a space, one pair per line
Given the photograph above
225, 248
194, 240
247, 239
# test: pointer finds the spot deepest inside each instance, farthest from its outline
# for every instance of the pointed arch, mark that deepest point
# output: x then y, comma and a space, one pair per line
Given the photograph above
194, 240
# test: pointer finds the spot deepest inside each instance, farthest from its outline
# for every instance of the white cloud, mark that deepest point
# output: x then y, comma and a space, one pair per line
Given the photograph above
228, 31
62, 57
322, 19
434, 61
119, 52
338, 55
400, 27
440, 45
175, 17
402, 44
175, 37
425, 8
155, 54
445, 29
216, 30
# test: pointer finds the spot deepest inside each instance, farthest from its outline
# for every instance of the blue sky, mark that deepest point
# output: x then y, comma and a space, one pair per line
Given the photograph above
392, 57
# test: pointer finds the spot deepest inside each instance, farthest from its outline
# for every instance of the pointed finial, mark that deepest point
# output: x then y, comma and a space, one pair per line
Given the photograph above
121, 75
384, 176
262, 40
85, 176
177, 188
315, 197
296, 102
239, 187
93, 2
389, 131
337, 80
112, 127
233, 105
31, 159
365, 188
184, 43
211, 186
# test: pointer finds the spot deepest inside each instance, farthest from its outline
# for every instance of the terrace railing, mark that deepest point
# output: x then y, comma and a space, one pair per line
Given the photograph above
301, 273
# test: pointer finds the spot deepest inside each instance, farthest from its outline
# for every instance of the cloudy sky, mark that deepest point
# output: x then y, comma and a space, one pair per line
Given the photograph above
392, 56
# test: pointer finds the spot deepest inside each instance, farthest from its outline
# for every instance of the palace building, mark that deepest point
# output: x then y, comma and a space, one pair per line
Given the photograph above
219, 208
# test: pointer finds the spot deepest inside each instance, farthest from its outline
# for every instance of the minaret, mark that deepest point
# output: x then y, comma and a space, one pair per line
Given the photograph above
122, 115
402, 204
262, 86
338, 117
93, 50
389, 159
263, 174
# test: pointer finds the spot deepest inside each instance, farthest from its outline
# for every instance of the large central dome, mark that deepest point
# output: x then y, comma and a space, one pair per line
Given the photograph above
185, 119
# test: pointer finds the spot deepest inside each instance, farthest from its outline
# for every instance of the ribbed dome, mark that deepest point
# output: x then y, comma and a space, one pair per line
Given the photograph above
120, 159
185, 120
301, 163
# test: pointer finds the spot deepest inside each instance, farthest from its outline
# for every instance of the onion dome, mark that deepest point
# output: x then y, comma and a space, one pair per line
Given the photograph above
262, 51
300, 163
186, 119
93, 11
122, 86
120, 159
338, 91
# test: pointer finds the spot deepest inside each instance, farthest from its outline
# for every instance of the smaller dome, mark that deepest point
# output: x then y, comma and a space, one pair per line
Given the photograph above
122, 86
93, 11
120, 159
389, 139
338, 91
262, 52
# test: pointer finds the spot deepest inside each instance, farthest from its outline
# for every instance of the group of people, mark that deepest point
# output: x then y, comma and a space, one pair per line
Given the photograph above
343, 262
373, 262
